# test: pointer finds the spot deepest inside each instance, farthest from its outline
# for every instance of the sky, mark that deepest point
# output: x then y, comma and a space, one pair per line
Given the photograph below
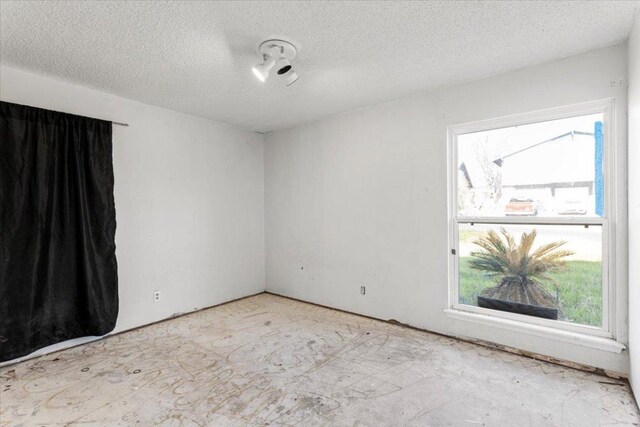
515, 138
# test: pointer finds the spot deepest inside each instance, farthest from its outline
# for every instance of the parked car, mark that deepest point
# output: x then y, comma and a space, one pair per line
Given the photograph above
521, 207
572, 207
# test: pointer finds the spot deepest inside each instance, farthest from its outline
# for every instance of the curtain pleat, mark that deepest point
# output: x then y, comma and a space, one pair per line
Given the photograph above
58, 270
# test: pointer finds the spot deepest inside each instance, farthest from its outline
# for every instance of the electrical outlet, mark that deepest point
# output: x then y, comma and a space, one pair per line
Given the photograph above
156, 296
363, 290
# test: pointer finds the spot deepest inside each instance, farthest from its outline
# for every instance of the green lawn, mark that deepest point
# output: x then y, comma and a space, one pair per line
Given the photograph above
579, 289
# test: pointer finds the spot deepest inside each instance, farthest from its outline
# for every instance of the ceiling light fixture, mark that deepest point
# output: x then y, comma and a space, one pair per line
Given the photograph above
278, 54
285, 70
261, 71
290, 77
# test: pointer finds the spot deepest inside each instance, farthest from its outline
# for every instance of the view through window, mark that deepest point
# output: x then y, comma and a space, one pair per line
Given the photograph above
530, 209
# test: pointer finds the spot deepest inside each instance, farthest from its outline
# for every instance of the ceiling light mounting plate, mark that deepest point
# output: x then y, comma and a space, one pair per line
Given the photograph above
287, 50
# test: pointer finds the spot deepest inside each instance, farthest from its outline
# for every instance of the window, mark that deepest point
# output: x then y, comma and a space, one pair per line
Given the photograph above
530, 203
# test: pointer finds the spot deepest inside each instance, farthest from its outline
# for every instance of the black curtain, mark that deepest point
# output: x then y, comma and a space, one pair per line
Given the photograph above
58, 272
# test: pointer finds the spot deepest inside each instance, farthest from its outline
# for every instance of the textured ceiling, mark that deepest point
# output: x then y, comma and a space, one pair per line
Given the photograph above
196, 57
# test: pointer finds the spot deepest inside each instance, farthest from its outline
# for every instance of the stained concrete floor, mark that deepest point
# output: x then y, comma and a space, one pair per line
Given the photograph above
267, 360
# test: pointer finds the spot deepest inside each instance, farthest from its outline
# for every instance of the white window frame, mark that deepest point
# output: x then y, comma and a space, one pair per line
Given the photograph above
607, 108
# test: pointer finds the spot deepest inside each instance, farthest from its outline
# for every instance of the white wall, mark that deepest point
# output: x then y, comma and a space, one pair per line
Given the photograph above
189, 197
361, 199
634, 205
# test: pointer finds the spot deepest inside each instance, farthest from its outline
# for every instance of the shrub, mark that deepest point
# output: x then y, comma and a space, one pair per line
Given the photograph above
521, 271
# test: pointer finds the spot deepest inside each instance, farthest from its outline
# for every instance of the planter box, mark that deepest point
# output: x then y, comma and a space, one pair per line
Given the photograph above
518, 308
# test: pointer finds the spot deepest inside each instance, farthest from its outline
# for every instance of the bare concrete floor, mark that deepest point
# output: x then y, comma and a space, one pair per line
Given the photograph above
267, 360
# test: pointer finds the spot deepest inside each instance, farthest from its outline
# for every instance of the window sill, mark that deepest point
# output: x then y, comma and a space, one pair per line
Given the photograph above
584, 340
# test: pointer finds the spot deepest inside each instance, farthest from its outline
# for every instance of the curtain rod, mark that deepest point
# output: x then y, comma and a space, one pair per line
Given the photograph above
75, 114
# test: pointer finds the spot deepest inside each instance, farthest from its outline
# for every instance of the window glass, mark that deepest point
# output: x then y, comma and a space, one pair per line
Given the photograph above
545, 169
547, 271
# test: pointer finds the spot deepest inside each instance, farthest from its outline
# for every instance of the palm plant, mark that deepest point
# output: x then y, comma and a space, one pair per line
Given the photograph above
521, 271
